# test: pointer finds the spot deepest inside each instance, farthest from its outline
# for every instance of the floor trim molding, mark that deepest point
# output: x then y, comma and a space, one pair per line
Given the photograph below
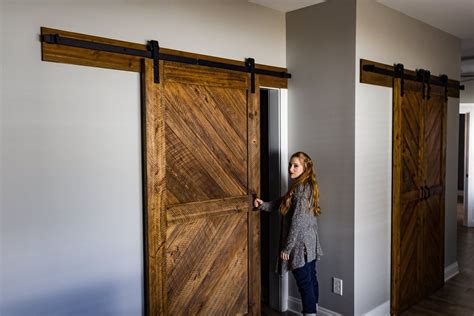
450, 271
294, 305
381, 310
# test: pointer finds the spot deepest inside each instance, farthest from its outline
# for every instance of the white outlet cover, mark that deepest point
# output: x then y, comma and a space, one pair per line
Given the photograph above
337, 286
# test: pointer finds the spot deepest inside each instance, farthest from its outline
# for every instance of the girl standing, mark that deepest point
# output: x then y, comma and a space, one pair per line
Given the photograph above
299, 242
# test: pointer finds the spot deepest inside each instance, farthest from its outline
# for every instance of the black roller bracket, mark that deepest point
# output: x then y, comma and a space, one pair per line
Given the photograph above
428, 85
250, 63
50, 38
420, 74
400, 73
425, 77
154, 47
444, 80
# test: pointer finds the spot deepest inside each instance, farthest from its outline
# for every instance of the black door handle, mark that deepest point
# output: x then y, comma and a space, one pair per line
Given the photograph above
428, 192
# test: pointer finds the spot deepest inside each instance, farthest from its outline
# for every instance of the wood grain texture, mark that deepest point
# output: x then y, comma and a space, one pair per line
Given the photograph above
253, 113
272, 82
417, 219
386, 81
87, 57
434, 170
406, 212
193, 211
154, 187
207, 266
455, 297
208, 237
421, 210
207, 76
206, 145
396, 196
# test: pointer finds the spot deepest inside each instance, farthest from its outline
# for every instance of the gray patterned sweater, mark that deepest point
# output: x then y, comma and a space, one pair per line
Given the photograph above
299, 231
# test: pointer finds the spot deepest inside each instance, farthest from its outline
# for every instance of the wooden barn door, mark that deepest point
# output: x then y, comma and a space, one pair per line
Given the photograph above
202, 168
434, 158
417, 193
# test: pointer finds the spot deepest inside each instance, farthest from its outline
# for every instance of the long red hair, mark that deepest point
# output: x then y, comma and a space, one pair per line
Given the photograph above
308, 176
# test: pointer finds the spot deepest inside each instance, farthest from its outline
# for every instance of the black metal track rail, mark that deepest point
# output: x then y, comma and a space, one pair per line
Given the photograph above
392, 73
152, 50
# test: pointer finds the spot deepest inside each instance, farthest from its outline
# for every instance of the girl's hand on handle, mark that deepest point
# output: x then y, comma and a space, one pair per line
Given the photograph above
284, 256
257, 202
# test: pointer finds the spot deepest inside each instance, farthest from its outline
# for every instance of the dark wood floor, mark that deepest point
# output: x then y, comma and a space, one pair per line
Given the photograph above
457, 296
267, 311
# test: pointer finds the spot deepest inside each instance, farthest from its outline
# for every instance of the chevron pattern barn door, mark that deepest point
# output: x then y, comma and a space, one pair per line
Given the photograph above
203, 256
434, 182
419, 127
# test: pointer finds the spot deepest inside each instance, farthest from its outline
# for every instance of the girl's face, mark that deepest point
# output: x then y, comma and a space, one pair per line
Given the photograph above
296, 168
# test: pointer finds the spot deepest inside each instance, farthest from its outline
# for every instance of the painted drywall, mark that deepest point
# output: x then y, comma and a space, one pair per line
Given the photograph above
1, 141
71, 233
387, 36
467, 95
321, 57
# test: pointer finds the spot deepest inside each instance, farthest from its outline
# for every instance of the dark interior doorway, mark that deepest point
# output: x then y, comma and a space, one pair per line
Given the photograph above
270, 190
461, 172
264, 185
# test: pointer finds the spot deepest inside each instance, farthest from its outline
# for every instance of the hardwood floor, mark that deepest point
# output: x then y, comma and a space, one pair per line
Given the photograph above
457, 296
267, 311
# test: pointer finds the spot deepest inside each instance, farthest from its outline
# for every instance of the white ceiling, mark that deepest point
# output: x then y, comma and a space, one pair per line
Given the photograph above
286, 5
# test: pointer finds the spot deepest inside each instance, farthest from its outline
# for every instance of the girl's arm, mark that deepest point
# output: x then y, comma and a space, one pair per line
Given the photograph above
270, 206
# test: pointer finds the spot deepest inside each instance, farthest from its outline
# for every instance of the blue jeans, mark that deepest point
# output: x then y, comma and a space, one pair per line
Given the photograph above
308, 286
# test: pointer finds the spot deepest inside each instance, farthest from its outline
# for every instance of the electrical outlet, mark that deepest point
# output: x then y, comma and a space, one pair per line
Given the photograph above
337, 286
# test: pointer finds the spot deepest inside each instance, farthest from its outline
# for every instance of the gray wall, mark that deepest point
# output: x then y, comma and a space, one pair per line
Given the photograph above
71, 230
451, 195
1, 147
467, 67
467, 96
321, 57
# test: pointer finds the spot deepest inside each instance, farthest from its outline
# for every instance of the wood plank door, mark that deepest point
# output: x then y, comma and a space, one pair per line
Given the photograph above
433, 168
407, 249
202, 168
417, 194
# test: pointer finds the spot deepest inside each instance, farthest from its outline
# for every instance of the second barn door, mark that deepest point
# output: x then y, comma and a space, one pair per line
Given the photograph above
433, 166
202, 238
419, 127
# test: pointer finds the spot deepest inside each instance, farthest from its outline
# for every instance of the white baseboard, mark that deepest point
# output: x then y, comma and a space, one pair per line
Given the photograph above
451, 271
294, 305
381, 310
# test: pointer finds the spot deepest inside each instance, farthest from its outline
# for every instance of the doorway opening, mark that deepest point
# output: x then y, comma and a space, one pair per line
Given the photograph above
274, 183
462, 174
466, 164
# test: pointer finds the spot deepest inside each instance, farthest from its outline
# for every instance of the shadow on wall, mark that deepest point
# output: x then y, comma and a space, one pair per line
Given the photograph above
87, 300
